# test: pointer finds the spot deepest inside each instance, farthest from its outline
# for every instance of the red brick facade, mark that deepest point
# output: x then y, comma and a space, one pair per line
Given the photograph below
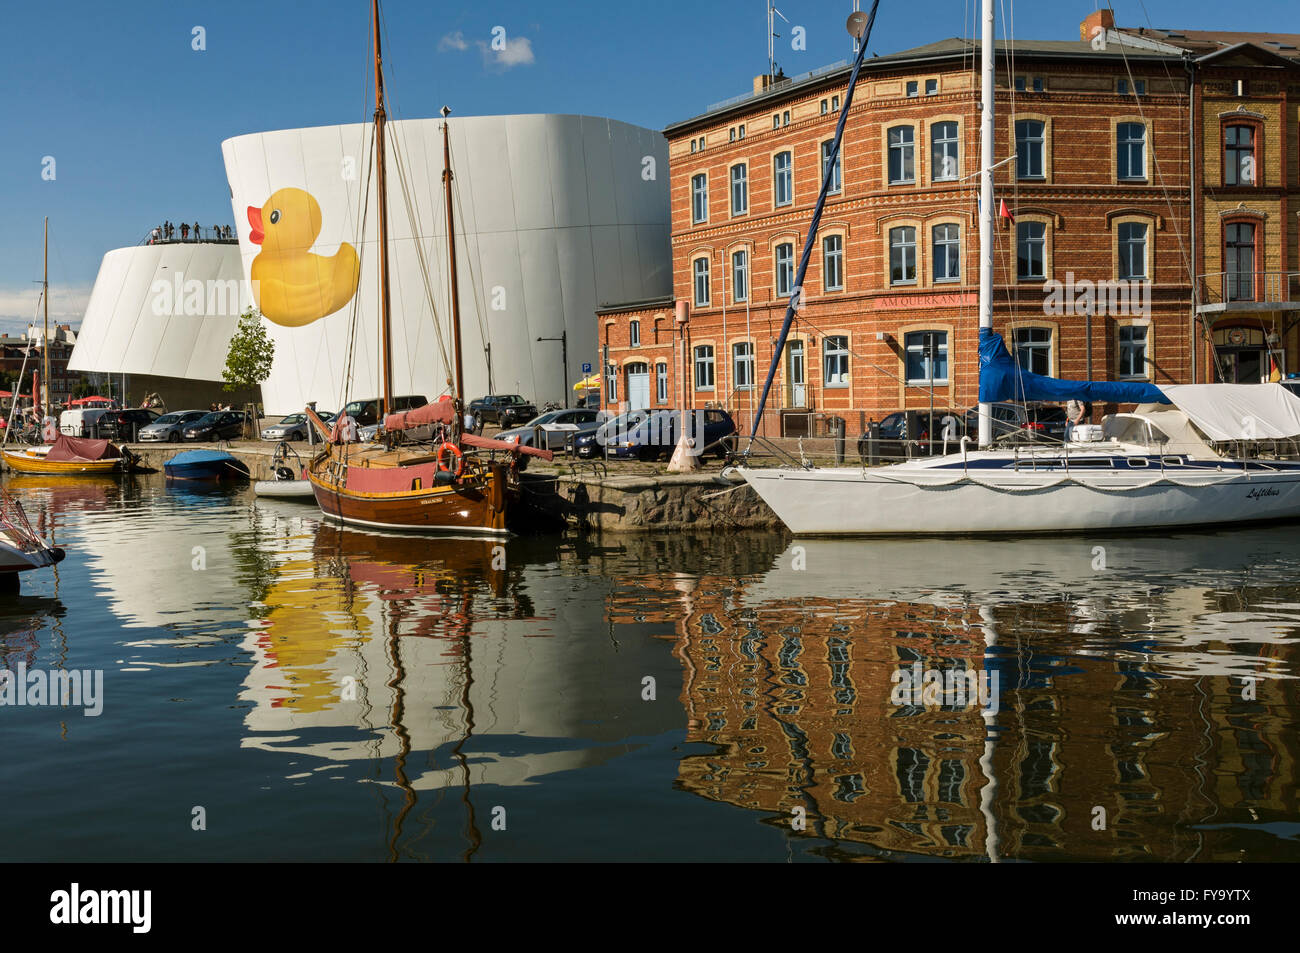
1104, 178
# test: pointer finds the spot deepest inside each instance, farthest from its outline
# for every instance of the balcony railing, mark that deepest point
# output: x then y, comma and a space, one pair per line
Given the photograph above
1250, 287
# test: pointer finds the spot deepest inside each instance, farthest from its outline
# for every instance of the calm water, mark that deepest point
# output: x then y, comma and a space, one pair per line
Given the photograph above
329, 694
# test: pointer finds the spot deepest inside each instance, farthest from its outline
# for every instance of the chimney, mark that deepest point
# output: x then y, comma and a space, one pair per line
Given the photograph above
1099, 18
761, 83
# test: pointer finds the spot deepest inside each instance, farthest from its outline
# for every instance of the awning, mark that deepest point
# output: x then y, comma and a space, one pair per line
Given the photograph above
1238, 411
588, 383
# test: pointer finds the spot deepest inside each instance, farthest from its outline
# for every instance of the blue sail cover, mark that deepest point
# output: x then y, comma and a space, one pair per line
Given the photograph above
1001, 378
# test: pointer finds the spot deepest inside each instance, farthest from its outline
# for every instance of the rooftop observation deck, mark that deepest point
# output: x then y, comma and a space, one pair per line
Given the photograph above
215, 235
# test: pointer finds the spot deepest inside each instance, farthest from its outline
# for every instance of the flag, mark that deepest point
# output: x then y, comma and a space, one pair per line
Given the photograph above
1276, 373
1004, 213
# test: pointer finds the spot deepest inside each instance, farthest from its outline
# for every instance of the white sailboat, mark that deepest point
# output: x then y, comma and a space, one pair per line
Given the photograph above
1189, 455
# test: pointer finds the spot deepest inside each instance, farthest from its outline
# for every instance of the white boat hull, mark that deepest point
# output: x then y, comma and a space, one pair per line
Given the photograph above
290, 489
911, 500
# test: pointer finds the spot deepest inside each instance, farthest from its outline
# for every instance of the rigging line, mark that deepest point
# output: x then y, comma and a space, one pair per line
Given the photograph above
363, 199
472, 260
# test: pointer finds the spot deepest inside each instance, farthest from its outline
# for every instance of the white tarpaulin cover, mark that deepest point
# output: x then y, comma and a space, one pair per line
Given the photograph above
1238, 411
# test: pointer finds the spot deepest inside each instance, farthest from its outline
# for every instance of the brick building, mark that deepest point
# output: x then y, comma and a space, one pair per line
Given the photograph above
1093, 271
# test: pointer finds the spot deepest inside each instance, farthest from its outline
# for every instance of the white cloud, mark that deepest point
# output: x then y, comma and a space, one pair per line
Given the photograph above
453, 41
517, 52
18, 306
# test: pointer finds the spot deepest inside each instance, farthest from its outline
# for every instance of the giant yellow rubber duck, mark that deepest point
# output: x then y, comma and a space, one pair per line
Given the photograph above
293, 287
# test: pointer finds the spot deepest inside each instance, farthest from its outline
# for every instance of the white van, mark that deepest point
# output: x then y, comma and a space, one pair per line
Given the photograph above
80, 422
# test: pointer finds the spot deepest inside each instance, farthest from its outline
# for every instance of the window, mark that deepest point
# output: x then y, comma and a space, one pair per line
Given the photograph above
699, 198
912, 89
931, 87
731, 134
701, 143
1029, 149
1038, 84
1024, 83
943, 151
740, 134
785, 118
835, 360
693, 145
661, 383
833, 263
634, 333
1132, 250
784, 270
1239, 155
1139, 87
783, 178
902, 255
740, 275
611, 384
1031, 243
776, 121
1131, 163
947, 252
927, 357
701, 282
902, 155
1133, 351
1020, 84
704, 367
742, 361
1032, 349
824, 107
739, 189
1239, 261
835, 103
830, 169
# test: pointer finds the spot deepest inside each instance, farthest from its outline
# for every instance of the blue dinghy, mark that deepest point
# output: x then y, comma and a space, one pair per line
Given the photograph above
205, 465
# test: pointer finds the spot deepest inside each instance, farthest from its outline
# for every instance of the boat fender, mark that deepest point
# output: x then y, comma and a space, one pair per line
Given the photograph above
49, 430
57, 554
448, 447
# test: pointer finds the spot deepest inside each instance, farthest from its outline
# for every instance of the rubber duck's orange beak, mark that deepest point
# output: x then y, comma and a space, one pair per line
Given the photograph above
255, 220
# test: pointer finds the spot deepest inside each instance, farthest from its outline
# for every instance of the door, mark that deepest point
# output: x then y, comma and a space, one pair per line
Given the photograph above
638, 386
795, 375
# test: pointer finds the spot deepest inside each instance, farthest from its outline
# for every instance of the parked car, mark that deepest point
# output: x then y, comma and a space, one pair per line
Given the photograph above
123, 425
894, 427
504, 410
169, 427
656, 436
1034, 421
81, 421
591, 443
554, 426
217, 425
292, 427
366, 412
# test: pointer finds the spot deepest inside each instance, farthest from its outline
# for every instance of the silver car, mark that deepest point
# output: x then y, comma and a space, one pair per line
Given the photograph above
168, 427
293, 427
554, 426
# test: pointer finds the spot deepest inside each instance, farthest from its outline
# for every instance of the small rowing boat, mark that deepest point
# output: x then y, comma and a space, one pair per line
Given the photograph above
205, 465
69, 455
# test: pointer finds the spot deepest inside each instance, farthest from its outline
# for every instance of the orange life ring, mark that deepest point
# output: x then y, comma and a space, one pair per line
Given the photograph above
456, 452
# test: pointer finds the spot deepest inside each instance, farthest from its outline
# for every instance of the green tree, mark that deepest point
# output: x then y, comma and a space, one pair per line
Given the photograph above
248, 361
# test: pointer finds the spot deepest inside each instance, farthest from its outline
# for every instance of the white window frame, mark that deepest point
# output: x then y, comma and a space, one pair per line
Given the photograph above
835, 349
833, 262
703, 360
700, 282
699, 198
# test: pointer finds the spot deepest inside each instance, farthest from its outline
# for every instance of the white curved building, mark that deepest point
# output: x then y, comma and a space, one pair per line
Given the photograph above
164, 315
555, 214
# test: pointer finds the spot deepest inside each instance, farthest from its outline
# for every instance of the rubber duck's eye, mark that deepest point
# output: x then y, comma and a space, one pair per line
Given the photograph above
275, 216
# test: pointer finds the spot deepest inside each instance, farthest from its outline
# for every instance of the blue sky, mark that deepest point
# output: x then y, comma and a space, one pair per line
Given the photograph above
134, 116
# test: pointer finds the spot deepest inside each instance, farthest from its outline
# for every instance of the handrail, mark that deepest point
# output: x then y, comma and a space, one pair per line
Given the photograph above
1264, 286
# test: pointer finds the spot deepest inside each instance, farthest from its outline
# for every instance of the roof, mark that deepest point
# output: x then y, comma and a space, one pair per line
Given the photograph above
1208, 41
951, 48
663, 301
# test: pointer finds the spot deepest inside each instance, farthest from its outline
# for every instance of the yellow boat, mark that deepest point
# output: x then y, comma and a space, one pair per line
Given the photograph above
69, 456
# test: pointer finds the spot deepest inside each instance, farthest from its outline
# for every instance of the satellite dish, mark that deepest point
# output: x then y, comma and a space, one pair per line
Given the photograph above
857, 24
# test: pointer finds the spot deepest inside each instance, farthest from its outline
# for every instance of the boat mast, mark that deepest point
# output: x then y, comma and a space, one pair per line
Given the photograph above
385, 321
986, 199
451, 266
45, 340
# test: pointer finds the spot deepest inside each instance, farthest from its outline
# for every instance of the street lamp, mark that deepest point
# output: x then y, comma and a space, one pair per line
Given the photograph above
564, 356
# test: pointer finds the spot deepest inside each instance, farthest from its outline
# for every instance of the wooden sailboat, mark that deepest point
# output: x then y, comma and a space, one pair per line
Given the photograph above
62, 454
450, 485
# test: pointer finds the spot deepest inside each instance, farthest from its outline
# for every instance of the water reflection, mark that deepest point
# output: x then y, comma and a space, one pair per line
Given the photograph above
686, 696
1147, 687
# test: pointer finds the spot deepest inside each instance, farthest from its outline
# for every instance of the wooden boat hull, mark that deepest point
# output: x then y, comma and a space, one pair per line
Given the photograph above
22, 462
477, 505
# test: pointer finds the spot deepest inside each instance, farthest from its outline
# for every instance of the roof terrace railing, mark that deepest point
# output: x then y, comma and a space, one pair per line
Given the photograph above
777, 86
1264, 287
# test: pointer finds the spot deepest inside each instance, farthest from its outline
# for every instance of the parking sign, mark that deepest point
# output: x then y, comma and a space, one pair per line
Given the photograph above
586, 368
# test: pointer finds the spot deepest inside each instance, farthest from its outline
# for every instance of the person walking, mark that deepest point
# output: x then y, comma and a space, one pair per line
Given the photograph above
185, 231
197, 231
155, 235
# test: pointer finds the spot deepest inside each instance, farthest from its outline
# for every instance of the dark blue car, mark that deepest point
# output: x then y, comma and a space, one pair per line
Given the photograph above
656, 436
